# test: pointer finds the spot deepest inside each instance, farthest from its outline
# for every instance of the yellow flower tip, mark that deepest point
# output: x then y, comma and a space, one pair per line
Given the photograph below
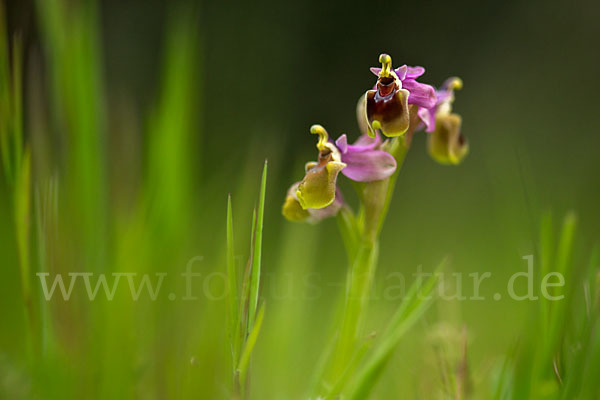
455, 83
317, 129
323, 136
373, 128
386, 65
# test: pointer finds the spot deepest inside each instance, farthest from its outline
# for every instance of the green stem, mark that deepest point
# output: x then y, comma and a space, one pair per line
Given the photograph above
357, 295
376, 197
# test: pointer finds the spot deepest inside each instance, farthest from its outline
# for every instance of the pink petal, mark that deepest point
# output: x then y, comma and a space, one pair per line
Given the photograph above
368, 165
414, 72
342, 143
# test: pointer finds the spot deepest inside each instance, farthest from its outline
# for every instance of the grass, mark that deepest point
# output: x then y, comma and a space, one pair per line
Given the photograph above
75, 205
245, 321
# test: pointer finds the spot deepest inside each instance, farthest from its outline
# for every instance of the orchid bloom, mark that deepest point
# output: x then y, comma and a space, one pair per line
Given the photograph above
386, 106
445, 143
317, 189
397, 104
363, 161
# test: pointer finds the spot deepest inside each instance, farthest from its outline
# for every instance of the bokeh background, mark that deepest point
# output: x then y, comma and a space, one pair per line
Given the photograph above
244, 83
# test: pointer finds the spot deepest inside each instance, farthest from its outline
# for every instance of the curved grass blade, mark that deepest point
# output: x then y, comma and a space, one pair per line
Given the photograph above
418, 299
256, 260
247, 352
233, 287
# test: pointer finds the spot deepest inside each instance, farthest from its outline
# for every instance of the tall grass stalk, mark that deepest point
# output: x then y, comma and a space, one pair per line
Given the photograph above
558, 350
16, 162
245, 321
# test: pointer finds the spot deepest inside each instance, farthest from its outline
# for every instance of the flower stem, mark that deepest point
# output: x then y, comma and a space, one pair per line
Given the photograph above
376, 197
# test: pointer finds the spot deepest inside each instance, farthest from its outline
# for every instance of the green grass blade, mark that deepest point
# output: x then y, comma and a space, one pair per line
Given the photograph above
546, 243
71, 40
173, 128
23, 227
46, 219
5, 95
418, 299
247, 352
353, 365
562, 266
565, 244
582, 356
546, 251
359, 282
256, 260
244, 325
17, 102
554, 326
593, 280
233, 286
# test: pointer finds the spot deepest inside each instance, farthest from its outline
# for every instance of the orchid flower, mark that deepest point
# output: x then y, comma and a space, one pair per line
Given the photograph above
363, 161
445, 143
386, 106
397, 104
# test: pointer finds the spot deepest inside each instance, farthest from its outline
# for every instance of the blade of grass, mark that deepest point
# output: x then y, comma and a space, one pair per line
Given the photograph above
581, 355
563, 257
245, 298
546, 250
565, 244
416, 302
247, 352
5, 96
353, 365
355, 304
594, 281
503, 385
553, 329
589, 386
46, 217
16, 106
256, 261
23, 227
233, 286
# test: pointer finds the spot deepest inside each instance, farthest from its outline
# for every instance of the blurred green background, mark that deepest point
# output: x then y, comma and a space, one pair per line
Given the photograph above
185, 103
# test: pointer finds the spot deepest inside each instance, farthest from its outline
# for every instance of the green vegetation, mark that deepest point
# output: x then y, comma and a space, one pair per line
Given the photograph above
255, 309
